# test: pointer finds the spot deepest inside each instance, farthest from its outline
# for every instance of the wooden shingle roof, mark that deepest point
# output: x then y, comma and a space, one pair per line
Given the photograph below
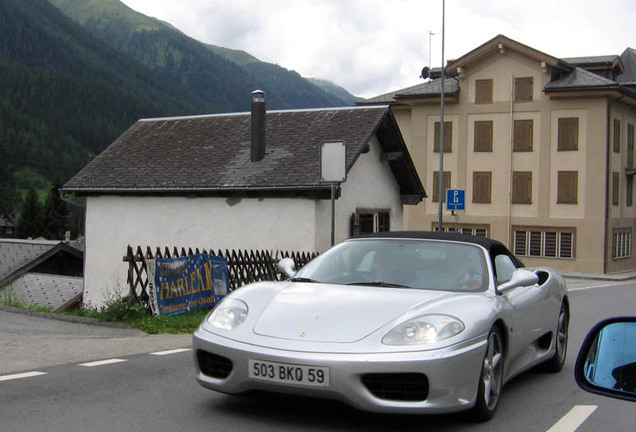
210, 154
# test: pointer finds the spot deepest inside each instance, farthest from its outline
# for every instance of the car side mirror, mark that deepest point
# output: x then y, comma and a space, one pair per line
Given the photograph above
521, 277
287, 266
606, 363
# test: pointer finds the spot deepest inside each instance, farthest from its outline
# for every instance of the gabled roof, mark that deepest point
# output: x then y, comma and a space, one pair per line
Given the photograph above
19, 259
572, 76
210, 155
502, 43
429, 89
54, 291
20, 256
580, 79
628, 58
595, 62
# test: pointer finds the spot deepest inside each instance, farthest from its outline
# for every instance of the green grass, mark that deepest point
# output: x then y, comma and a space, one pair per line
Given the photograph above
134, 315
129, 313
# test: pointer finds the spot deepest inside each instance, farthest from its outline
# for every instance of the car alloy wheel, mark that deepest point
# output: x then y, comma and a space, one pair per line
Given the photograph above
555, 363
491, 380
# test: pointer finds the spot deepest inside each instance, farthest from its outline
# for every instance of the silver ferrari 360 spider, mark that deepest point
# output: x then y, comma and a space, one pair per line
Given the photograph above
412, 322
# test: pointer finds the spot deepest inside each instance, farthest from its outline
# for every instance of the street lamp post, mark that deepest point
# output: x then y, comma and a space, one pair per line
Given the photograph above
441, 130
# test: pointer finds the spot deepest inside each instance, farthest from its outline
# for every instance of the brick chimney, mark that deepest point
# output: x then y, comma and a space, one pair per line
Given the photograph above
259, 109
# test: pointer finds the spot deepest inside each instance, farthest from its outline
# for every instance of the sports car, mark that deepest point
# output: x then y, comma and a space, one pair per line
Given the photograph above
400, 322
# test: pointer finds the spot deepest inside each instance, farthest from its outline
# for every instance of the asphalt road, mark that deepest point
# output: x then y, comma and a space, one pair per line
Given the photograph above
146, 384
31, 341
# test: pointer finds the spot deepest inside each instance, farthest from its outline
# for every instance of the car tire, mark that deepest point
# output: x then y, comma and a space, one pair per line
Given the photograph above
490, 378
555, 363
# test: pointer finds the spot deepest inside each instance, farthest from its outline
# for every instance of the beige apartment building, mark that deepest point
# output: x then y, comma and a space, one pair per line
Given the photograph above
543, 148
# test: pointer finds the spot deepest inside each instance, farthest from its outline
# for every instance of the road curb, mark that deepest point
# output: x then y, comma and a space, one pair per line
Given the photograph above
67, 318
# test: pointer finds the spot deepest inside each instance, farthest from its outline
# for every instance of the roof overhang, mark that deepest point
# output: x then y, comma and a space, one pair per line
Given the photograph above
616, 92
322, 191
500, 44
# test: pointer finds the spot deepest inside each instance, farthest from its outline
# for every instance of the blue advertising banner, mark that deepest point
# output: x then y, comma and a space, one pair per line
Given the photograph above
180, 285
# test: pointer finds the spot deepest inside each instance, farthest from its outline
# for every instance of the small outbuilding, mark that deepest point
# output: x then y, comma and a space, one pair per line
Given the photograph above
41, 273
240, 181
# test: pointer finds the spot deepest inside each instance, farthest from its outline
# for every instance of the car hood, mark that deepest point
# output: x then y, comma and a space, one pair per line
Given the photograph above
336, 313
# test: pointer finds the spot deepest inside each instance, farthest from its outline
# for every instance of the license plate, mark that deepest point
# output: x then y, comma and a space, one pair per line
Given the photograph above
289, 373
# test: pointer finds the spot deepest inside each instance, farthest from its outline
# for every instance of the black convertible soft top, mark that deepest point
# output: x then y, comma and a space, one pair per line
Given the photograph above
494, 247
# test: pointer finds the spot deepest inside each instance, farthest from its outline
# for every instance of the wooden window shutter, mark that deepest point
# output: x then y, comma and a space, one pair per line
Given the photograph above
521, 239
483, 91
616, 191
536, 238
523, 135
617, 136
448, 137
482, 181
568, 135
354, 226
523, 89
567, 187
384, 221
483, 136
446, 185
566, 249
522, 187
629, 191
550, 244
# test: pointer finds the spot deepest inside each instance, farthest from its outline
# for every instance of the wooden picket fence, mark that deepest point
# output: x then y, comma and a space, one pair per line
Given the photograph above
244, 266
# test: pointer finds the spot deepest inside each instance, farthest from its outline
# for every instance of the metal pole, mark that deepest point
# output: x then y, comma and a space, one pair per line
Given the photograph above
333, 213
441, 131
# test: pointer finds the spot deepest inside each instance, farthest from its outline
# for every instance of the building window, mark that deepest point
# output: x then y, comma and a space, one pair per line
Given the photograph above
483, 136
523, 135
622, 247
617, 136
483, 91
629, 191
447, 183
471, 229
522, 187
523, 89
544, 242
630, 145
448, 137
370, 221
482, 181
567, 187
616, 188
568, 135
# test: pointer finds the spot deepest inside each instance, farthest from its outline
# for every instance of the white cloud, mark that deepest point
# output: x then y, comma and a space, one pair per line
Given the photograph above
371, 47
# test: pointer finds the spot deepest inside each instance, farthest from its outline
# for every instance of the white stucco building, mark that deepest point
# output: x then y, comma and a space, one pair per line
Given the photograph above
194, 182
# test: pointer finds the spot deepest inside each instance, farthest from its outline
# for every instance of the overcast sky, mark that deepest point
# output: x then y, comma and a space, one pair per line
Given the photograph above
371, 47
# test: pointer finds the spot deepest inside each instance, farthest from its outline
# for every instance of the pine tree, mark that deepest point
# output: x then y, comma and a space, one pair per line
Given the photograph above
29, 219
8, 193
55, 216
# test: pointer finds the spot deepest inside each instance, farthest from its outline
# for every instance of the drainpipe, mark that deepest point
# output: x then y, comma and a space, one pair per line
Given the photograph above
258, 126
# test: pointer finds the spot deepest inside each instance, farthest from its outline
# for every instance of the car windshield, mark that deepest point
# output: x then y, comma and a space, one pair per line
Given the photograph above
418, 264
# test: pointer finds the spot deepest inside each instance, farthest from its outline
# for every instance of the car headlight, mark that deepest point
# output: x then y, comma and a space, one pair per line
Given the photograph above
424, 330
228, 315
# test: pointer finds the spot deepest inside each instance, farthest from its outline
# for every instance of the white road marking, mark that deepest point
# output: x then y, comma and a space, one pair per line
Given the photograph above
21, 375
573, 419
172, 351
584, 288
102, 362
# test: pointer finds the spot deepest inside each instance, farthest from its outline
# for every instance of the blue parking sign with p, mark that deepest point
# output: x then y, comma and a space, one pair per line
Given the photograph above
455, 199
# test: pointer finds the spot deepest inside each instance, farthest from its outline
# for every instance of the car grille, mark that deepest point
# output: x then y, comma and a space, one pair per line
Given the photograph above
213, 365
397, 386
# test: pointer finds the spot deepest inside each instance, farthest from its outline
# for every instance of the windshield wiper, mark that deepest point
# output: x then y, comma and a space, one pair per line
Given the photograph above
302, 279
380, 284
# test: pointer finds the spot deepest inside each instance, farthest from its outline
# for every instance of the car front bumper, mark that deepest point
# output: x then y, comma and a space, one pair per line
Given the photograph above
378, 382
